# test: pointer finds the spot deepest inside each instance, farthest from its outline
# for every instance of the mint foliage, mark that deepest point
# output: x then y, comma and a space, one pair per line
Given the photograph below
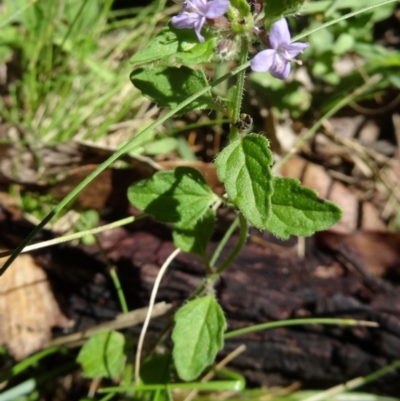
169, 86
181, 196
297, 210
175, 46
275, 10
242, 6
103, 355
244, 168
194, 236
198, 336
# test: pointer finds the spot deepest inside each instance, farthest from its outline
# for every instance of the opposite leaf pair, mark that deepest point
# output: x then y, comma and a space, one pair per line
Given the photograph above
280, 205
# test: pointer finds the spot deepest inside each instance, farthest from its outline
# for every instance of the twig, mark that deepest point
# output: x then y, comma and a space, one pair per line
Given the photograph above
121, 321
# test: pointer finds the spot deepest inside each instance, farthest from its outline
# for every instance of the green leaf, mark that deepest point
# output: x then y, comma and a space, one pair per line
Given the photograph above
160, 146
181, 196
244, 168
163, 46
275, 9
344, 43
169, 86
195, 236
103, 355
176, 46
242, 6
197, 336
297, 210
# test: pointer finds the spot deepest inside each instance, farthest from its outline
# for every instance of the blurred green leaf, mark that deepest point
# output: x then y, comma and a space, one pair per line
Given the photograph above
242, 6
160, 146
103, 355
344, 43
169, 86
176, 46
275, 10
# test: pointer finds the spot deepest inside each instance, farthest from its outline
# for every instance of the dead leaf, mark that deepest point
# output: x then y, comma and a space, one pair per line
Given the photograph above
377, 252
28, 309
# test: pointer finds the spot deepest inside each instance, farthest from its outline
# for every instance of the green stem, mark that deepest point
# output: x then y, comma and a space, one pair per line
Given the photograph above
223, 242
240, 244
237, 101
118, 289
242, 240
109, 396
297, 322
30, 361
114, 278
218, 385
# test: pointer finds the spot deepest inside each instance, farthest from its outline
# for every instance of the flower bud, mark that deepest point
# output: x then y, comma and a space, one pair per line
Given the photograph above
226, 49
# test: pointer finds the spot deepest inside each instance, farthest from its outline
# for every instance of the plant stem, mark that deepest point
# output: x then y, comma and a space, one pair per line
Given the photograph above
242, 240
235, 251
237, 101
32, 360
118, 289
223, 242
114, 277
297, 322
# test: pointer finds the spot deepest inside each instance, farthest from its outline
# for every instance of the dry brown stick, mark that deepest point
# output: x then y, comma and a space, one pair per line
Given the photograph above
120, 322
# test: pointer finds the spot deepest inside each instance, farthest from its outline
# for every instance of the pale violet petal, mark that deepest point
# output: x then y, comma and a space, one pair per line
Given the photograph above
263, 61
295, 48
217, 8
279, 34
280, 70
200, 6
197, 28
185, 20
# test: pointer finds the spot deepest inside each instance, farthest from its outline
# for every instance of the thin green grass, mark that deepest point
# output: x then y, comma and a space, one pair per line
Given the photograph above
72, 58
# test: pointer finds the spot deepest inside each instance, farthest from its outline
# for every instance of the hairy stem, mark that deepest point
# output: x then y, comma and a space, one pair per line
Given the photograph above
237, 101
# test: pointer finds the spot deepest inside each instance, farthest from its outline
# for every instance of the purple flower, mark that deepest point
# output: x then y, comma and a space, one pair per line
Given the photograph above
195, 13
277, 59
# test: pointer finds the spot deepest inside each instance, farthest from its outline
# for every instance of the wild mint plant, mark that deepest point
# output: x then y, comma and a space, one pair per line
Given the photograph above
170, 72
171, 69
